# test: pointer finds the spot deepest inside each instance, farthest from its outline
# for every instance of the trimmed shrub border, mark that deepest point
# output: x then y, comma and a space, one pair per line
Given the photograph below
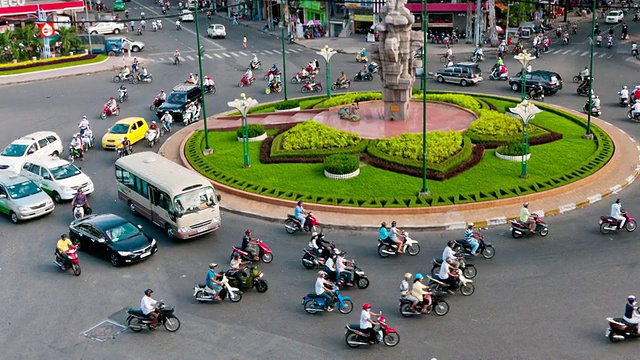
257, 138
342, 177
47, 62
294, 109
513, 158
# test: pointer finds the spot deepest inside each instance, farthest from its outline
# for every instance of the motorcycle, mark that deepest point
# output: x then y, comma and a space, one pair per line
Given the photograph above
74, 154
619, 329
360, 58
519, 229
363, 77
78, 212
372, 68
309, 257
87, 139
271, 72
632, 117
292, 224
156, 104
486, 249
265, 253
147, 79
73, 263
254, 66
139, 31
277, 87
358, 277
137, 320
535, 92
388, 247
623, 102
608, 224
191, 115
255, 279
338, 85
123, 95
582, 90
314, 304
565, 41
210, 89
311, 87
166, 127
465, 285
244, 81
204, 294
469, 270
178, 26
122, 77
389, 336
598, 40
107, 112
152, 136
609, 43
595, 111
121, 151
497, 75
477, 57
300, 78
438, 305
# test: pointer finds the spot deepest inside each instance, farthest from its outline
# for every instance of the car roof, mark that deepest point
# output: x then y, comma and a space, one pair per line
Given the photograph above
216, 25
39, 135
102, 221
466, 63
129, 120
10, 178
48, 161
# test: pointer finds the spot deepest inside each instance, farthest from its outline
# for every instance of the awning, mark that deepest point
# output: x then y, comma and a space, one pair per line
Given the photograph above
310, 4
501, 6
442, 7
33, 6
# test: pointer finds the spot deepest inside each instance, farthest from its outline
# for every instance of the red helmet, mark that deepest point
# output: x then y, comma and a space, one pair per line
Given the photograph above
366, 306
111, 98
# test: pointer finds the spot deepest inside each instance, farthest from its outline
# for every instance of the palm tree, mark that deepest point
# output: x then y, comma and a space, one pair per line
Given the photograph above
7, 45
68, 40
29, 41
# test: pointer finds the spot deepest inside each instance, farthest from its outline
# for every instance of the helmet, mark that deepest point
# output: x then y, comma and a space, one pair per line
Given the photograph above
366, 306
470, 224
84, 116
212, 265
111, 98
419, 276
161, 90
631, 298
407, 276
153, 122
236, 255
166, 112
593, 96
624, 87
300, 202
342, 253
148, 292
320, 273
451, 242
190, 74
525, 204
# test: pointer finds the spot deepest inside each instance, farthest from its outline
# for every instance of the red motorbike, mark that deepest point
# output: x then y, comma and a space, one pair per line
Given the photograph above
302, 78
72, 263
519, 229
266, 76
246, 82
107, 112
265, 253
354, 337
312, 87
608, 224
292, 224
156, 104
619, 330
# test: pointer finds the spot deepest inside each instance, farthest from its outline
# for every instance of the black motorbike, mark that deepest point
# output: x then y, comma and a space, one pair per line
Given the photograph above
438, 305
631, 117
468, 270
358, 277
338, 85
535, 92
137, 321
363, 77
595, 111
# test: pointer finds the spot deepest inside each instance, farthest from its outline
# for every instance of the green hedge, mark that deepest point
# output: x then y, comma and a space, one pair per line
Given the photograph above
313, 139
465, 101
495, 127
253, 130
513, 148
442, 145
340, 164
287, 104
349, 99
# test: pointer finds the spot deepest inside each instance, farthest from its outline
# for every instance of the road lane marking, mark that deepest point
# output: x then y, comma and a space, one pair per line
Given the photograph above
575, 52
234, 54
190, 57
243, 54
208, 56
160, 59
268, 52
602, 55
227, 55
218, 56
277, 51
557, 52
584, 53
594, 54
566, 52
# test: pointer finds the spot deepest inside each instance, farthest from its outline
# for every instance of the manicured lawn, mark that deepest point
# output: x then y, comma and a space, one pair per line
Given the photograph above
97, 59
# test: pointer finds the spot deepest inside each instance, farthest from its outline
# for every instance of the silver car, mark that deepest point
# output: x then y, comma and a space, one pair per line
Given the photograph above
21, 199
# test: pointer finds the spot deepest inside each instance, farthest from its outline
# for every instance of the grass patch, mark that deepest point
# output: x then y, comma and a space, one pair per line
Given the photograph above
95, 60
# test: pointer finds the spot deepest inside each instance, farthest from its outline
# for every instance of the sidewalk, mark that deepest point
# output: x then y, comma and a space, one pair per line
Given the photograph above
616, 175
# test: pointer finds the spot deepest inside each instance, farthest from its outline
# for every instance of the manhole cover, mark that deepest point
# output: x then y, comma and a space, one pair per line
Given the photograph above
103, 331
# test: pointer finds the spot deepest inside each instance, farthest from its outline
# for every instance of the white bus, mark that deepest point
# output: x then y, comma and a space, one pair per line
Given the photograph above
180, 201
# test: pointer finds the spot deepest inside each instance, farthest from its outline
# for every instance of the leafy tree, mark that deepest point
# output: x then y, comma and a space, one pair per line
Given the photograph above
520, 12
68, 39
28, 42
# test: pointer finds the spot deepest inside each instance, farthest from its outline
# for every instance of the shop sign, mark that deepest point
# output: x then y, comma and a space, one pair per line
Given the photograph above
358, 17
12, 3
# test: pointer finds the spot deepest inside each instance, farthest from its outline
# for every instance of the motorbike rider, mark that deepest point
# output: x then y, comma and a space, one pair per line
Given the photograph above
383, 233
478, 52
236, 269
448, 274
153, 126
144, 73
150, 308
324, 289
274, 69
321, 247
472, 238
300, 214
636, 93
566, 37
208, 83
83, 125
448, 255
585, 83
248, 75
421, 292
366, 324
393, 236
330, 265
123, 93
250, 245
176, 54
178, 25
526, 218
124, 74
632, 313
616, 213
213, 284
449, 54
595, 102
610, 40
111, 104
134, 65
584, 74
624, 94
500, 62
341, 267
342, 79
363, 53
162, 97
635, 109
405, 293
254, 61
624, 31
80, 199
77, 145
62, 246
166, 120
191, 79
126, 145
634, 48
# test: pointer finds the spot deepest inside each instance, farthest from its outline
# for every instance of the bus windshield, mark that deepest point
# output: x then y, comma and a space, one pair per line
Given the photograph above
195, 201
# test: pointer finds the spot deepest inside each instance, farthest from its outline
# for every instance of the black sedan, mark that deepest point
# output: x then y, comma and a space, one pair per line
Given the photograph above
113, 237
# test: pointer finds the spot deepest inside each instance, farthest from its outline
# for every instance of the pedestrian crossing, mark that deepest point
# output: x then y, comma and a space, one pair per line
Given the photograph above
580, 53
228, 55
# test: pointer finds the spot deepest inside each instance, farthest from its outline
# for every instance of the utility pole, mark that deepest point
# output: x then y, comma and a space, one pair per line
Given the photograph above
476, 34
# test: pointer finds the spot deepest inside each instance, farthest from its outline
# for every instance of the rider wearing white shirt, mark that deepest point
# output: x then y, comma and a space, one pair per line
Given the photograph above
149, 307
84, 124
635, 109
322, 290
449, 254
248, 74
366, 324
616, 213
624, 93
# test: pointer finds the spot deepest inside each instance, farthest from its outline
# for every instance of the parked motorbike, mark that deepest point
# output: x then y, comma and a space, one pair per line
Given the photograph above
632, 117
338, 85
137, 320
139, 79
72, 263
265, 253
363, 77
292, 224
354, 337
314, 304
302, 78
311, 87
608, 224
438, 305
152, 136
255, 279
246, 82
388, 247
204, 294
619, 330
156, 104
465, 286
107, 112
519, 229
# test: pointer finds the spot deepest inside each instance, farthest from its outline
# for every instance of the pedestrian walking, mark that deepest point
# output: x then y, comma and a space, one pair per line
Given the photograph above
235, 20
133, 25
244, 41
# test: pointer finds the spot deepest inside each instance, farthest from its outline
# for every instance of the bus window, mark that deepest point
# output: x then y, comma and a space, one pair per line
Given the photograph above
196, 200
164, 201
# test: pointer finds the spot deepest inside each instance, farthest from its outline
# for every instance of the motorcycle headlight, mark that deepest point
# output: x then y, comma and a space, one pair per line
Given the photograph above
125, 253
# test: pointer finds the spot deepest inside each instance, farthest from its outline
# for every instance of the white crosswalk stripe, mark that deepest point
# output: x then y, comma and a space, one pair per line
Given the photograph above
190, 57
268, 52
602, 55
208, 56
227, 55
160, 59
575, 52
566, 52
556, 52
234, 54
218, 56
584, 53
277, 51
243, 54
595, 53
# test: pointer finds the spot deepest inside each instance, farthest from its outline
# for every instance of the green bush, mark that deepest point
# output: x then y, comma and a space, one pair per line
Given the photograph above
254, 130
349, 99
513, 148
441, 145
494, 123
286, 105
341, 164
313, 135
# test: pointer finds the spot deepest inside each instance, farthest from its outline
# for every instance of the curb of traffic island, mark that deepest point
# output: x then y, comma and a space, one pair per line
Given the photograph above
609, 168
17, 82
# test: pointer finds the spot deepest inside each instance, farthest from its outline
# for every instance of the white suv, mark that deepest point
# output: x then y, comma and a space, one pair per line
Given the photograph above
186, 15
216, 30
106, 28
57, 177
41, 143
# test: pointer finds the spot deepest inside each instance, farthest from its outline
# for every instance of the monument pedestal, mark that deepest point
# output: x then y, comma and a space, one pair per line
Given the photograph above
396, 104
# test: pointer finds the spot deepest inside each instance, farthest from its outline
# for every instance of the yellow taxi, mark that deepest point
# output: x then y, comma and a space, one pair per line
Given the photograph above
133, 128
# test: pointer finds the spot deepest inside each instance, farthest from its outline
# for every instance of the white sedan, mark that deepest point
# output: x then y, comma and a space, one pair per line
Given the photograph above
186, 15
614, 17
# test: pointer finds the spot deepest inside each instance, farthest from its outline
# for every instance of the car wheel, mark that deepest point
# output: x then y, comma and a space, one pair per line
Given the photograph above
94, 33
56, 197
135, 49
14, 217
116, 31
113, 259
515, 87
464, 82
440, 79
170, 232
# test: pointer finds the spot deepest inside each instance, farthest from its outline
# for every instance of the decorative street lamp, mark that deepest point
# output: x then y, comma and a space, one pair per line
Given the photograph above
524, 58
327, 53
283, 16
207, 149
525, 111
243, 105
588, 134
423, 84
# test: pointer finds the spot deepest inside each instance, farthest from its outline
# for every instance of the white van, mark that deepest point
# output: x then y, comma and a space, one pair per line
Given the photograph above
57, 177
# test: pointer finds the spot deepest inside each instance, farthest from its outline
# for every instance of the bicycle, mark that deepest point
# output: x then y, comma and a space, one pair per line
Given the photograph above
445, 59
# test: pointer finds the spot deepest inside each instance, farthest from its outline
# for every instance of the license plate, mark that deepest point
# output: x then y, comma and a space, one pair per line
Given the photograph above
201, 230
145, 254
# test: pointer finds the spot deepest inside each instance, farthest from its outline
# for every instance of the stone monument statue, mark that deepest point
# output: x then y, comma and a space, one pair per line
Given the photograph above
393, 53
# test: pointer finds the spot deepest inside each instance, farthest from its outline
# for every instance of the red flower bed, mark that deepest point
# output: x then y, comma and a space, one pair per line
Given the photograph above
57, 61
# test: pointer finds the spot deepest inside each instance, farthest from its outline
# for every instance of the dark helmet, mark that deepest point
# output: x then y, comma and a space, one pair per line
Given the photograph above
236, 255
300, 202
248, 232
64, 236
451, 242
618, 201
148, 292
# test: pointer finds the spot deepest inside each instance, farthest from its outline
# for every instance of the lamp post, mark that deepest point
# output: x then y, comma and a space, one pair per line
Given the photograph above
283, 16
524, 58
423, 25
243, 105
525, 111
588, 134
207, 149
327, 53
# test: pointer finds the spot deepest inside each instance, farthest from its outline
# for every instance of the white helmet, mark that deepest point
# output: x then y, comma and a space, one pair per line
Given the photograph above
321, 273
624, 87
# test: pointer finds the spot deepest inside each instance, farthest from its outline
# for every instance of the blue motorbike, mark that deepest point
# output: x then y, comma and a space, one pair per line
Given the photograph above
314, 304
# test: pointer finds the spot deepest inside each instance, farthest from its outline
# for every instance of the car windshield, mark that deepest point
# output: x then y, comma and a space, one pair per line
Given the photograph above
64, 171
119, 129
14, 150
195, 200
122, 232
23, 189
177, 98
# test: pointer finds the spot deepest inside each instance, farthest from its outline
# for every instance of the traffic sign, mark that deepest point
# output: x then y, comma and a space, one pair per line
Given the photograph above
46, 29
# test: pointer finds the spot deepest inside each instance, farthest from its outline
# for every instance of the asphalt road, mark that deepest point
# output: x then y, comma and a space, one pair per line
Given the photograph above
539, 298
